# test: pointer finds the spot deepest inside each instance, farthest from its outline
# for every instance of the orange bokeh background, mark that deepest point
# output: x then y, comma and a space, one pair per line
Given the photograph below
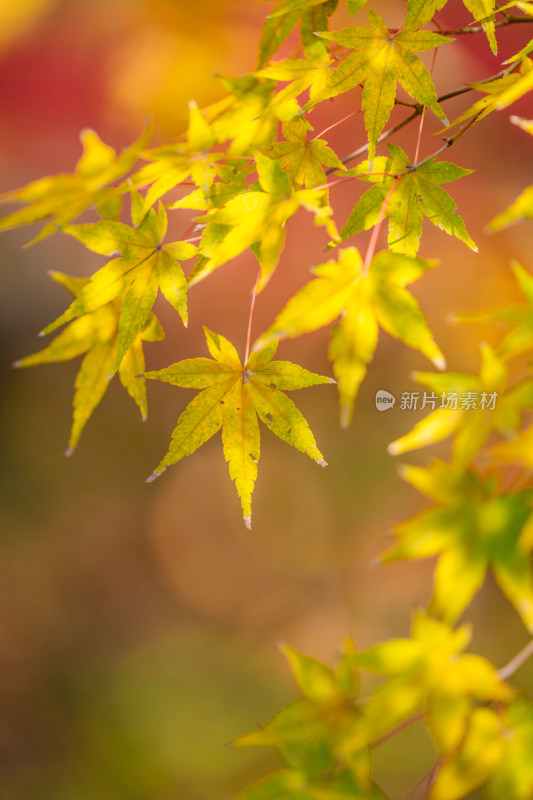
138, 623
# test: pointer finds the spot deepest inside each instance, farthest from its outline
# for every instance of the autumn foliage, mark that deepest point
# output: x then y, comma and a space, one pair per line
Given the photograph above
244, 168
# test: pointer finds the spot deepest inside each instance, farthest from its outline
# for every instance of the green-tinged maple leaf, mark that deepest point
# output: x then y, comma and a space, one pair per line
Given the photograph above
242, 117
302, 160
233, 397
481, 751
382, 58
170, 165
313, 16
96, 334
519, 340
428, 671
419, 12
145, 266
483, 11
473, 526
355, 5
365, 299
230, 181
256, 218
64, 197
513, 776
499, 93
322, 738
416, 193
295, 785
301, 74
466, 406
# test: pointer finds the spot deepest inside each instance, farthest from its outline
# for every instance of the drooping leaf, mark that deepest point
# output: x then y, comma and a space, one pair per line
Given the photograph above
483, 11
230, 181
302, 160
256, 218
96, 335
144, 266
473, 526
513, 776
171, 164
380, 59
464, 405
301, 74
481, 751
428, 671
64, 197
499, 93
233, 397
243, 118
416, 193
313, 16
322, 738
419, 12
365, 299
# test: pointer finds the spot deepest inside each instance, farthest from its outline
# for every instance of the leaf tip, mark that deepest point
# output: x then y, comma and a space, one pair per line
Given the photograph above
17, 364
402, 470
393, 449
110, 376
155, 474
69, 451
322, 462
440, 362
248, 522
144, 417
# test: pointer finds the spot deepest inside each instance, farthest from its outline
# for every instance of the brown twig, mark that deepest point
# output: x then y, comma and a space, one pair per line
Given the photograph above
424, 785
399, 728
509, 20
418, 109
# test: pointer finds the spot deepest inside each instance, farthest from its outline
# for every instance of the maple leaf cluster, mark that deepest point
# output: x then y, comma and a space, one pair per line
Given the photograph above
245, 166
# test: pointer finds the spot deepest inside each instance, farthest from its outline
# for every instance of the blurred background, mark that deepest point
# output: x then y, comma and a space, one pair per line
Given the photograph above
139, 623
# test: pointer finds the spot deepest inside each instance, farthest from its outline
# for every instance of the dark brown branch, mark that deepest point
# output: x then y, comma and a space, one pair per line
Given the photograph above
509, 20
418, 110
448, 141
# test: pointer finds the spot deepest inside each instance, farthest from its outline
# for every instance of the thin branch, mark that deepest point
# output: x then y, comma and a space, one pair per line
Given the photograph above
448, 141
509, 20
251, 317
516, 662
371, 249
334, 124
384, 135
424, 785
418, 110
421, 126
402, 726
